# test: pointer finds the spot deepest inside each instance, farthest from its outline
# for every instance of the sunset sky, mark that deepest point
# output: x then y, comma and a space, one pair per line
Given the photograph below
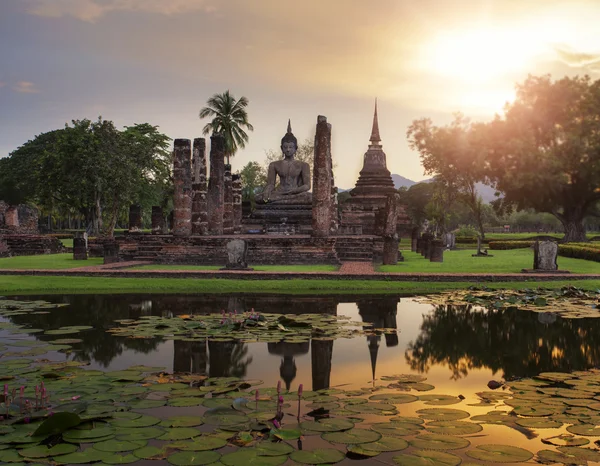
157, 61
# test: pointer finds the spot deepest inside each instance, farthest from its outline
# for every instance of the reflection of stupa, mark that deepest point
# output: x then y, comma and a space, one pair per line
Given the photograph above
382, 314
287, 369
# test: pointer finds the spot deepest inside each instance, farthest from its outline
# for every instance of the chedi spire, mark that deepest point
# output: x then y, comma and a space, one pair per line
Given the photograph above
375, 138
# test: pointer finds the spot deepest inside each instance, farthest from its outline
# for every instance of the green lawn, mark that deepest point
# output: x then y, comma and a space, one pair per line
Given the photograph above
263, 268
67, 242
46, 261
20, 285
503, 262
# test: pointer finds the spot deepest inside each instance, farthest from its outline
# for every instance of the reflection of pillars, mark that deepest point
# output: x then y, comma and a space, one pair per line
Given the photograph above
189, 356
288, 369
321, 352
228, 359
373, 350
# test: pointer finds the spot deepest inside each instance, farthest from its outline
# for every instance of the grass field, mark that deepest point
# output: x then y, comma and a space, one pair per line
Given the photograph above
263, 268
461, 261
47, 261
21, 285
67, 242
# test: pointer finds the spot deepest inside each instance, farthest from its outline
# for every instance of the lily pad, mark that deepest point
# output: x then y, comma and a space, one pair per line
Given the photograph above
583, 453
538, 423
180, 433
203, 443
116, 458
566, 440
453, 427
439, 442
190, 458
327, 425
42, 451
318, 456
182, 421
427, 458
115, 446
352, 436
440, 399
500, 454
552, 456
148, 452
394, 398
249, 456
590, 430
142, 421
442, 414
273, 449
386, 444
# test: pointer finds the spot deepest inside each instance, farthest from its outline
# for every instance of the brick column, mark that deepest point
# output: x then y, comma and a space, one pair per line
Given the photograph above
390, 236
227, 202
111, 252
199, 189
436, 251
182, 177
236, 186
135, 219
321, 208
216, 192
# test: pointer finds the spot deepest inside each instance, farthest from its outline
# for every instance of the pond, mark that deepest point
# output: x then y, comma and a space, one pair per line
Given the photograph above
368, 345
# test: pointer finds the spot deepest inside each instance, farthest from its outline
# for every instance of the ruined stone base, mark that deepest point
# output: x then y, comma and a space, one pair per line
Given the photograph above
29, 245
544, 271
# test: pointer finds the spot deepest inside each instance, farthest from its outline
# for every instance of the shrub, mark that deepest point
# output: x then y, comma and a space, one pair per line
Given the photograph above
466, 231
579, 251
504, 245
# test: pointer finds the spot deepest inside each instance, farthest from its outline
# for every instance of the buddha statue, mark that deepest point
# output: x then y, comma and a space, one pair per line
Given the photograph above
294, 176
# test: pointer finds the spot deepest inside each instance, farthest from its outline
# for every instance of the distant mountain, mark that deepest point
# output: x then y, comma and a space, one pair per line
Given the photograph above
401, 182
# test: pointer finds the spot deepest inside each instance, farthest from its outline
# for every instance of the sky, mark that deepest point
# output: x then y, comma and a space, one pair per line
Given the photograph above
158, 61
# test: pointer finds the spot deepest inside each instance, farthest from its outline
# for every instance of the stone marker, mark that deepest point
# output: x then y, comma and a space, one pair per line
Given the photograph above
321, 199
237, 251
216, 191
227, 202
135, 218
159, 225
414, 238
436, 253
199, 189
111, 252
80, 247
544, 256
182, 180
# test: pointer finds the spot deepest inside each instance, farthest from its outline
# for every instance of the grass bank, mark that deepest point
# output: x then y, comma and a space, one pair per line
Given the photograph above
47, 261
461, 261
12, 285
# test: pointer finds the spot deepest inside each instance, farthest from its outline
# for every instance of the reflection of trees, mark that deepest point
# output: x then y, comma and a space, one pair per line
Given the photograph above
228, 359
515, 342
98, 311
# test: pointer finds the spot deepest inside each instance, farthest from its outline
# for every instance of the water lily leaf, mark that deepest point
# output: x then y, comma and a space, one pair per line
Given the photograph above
537, 410
58, 423
249, 456
538, 423
440, 399
409, 420
427, 458
84, 436
327, 425
352, 436
396, 429
439, 442
190, 458
42, 451
142, 421
114, 446
180, 433
273, 449
182, 421
203, 443
552, 456
318, 456
371, 408
138, 433
149, 452
147, 404
583, 453
394, 398
359, 450
566, 440
453, 427
88, 455
287, 434
386, 444
225, 418
442, 414
494, 417
500, 454
590, 430
116, 458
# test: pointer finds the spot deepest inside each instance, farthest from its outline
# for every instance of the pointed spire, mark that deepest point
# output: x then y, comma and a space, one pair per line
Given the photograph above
373, 350
375, 138
289, 128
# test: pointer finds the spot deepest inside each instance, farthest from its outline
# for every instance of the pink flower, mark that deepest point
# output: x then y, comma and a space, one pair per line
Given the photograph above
300, 391
280, 399
276, 424
256, 395
26, 420
76, 397
279, 387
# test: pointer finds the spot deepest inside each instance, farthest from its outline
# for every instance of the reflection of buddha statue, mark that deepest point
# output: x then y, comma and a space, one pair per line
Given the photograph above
294, 176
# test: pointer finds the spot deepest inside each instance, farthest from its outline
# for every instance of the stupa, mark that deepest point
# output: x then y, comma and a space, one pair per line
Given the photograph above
374, 185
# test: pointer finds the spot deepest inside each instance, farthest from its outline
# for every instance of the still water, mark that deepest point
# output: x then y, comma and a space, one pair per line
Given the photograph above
458, 348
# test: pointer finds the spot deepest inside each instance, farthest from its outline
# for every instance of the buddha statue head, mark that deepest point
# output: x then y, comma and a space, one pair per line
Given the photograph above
289, 143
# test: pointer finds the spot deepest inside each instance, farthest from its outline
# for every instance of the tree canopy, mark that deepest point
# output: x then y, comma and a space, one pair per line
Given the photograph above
543, 153
229, 117
89, 167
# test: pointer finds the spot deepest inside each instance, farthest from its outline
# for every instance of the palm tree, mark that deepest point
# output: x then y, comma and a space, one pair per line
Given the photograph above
229, 116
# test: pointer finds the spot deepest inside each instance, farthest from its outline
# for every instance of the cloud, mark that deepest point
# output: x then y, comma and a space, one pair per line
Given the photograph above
575, 59
92, 10
25, 87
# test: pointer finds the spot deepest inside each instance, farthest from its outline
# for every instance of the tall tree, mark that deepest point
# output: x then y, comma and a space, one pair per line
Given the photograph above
254, 178
229, 117
544, 153
454, 155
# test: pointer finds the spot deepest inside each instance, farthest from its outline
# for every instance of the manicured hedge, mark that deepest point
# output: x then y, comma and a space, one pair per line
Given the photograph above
578, 251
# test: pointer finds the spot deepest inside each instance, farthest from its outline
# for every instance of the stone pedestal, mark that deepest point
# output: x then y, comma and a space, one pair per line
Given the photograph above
135, 219
437, 251
237, 250
216, 185
111, 252
321, 199
414, 237
427, 248
159, 226
544, 256
80, 248
227, 202
199, 189
236, 187
182, 179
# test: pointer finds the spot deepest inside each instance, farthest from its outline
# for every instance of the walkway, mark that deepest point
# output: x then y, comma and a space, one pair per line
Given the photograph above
348, 271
